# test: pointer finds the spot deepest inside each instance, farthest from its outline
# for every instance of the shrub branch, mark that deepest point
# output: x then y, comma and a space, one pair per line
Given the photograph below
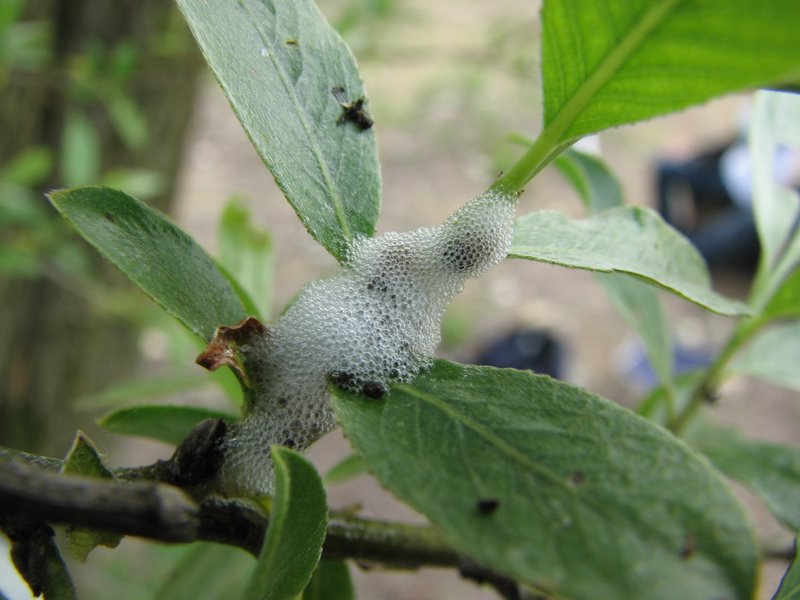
31, 491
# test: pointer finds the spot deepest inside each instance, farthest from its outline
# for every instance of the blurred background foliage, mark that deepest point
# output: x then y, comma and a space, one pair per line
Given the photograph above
93, 92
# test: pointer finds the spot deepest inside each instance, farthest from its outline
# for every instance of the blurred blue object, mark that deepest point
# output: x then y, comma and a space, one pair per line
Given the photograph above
535, 350
638, 370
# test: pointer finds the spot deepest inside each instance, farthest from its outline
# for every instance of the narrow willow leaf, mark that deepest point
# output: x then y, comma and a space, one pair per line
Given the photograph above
43, 462
636, 301
38, 560
30, 168
80, 150
279, 64
638, 304
349, 467
786, 301
774, 356
296, 531
771, 470
609, 63
139, 390
246, 252
155, 254
790, 584
630, 240
331, 581
775, 123
596, 185
208, 571
84, 459
168, 424
554, 486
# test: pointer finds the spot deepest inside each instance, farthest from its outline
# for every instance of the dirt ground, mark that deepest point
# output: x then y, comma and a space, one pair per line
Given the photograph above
446, 87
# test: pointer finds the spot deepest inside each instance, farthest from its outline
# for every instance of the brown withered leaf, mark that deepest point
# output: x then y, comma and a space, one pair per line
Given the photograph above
223, 349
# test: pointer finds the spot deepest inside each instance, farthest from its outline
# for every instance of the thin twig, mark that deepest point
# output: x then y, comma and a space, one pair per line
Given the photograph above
165, 513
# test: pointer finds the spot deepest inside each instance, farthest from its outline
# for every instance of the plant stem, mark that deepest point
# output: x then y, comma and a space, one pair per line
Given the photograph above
37, 494
537, 157
705, 389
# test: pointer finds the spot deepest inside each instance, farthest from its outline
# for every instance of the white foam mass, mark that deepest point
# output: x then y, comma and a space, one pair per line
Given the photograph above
376, 321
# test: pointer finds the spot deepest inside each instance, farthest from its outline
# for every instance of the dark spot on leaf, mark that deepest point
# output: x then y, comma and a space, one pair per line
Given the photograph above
352, 112
487, 506
577, 478
292, 42
110, 218
373, 390
689, 546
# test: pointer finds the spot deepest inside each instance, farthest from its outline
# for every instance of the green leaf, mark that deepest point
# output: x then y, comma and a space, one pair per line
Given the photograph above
331, 581
773, 356
155, 254
786, 301
554, 486
631, 240
772, 471
246, 252
84, 459
80, 150
609, 63
790, 584
170, 424
278, 63
349, 467
296, 531
208, 571
596, 185
775, 122
140, 183
37, 558
139, 390
638, 304
29, 168
129, 122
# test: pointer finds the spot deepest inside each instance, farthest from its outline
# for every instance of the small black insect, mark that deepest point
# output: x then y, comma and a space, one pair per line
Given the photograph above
577, 478
487, 506
343, 379
373, 390
352, 112
689, 547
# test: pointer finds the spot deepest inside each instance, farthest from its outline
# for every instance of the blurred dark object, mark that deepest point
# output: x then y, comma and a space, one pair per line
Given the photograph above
531, 349
694, 197
102, 90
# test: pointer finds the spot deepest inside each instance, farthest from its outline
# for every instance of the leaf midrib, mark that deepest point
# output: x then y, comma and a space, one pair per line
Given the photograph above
333, 192
650, 20
590, 502
487, 435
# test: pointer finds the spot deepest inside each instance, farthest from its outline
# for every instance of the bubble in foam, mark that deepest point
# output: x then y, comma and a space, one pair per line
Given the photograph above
376, 321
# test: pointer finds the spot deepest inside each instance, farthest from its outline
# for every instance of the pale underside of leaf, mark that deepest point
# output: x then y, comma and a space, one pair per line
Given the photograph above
630, 240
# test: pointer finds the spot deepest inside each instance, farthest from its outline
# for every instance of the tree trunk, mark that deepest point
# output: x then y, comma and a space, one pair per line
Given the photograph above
53, 345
